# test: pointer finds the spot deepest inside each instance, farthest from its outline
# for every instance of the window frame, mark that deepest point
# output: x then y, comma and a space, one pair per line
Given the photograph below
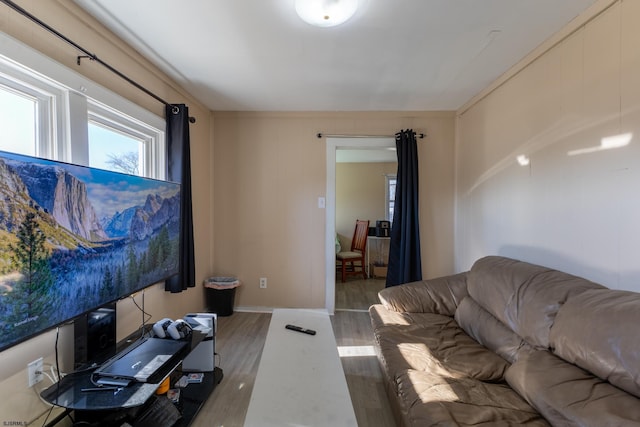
68, 101
151, 139
50, 99
387, 195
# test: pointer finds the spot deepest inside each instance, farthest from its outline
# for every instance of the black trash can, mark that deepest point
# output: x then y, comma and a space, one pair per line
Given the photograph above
220, 294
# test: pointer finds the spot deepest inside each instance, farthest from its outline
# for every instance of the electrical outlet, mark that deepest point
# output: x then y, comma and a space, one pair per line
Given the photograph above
34, 370
263, 283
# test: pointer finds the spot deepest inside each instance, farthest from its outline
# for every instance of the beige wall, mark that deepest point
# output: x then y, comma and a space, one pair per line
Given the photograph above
575, 206
360, 194
270, 169
17, 402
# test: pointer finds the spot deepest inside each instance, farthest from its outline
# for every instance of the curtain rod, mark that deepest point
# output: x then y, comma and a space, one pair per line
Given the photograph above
87, 54
328, 135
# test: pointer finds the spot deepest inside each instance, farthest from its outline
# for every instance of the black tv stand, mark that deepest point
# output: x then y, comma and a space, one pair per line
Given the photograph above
110, 408
192, 398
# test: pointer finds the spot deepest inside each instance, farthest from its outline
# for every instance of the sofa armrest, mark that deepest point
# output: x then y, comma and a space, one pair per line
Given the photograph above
439, 296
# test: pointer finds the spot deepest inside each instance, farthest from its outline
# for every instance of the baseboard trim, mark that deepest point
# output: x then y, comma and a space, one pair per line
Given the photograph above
353, 310
251, 309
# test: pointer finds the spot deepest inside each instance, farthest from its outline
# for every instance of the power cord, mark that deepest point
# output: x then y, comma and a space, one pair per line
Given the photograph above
145, 316
57, 374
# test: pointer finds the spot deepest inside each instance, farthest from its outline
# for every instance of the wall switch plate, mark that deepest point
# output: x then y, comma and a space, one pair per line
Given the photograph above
321, 202
34, 370
263, 283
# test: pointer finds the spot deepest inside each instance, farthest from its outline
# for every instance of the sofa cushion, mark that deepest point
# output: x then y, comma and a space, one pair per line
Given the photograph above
489, 331
598, 331
569, 396
438, 345
396, 351
523, 296
380, 316
428, 399
440, 296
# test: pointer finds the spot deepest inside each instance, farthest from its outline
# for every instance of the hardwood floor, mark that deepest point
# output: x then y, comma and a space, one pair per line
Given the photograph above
353, 332
239, 343
357, 294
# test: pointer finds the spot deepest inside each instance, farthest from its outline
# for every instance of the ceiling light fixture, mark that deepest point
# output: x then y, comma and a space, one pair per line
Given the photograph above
326, 13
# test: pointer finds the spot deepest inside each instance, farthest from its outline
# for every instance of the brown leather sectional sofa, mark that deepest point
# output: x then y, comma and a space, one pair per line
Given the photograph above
510, 344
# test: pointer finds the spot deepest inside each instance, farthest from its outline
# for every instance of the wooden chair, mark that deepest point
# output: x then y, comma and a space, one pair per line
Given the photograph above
347, 259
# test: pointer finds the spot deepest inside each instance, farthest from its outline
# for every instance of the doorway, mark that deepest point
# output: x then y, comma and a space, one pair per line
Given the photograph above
381, 144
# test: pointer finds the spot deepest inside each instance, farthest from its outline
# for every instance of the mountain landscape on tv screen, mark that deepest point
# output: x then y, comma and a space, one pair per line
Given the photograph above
73, 238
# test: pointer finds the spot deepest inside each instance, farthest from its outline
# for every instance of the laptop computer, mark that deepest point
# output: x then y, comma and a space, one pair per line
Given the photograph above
140, 361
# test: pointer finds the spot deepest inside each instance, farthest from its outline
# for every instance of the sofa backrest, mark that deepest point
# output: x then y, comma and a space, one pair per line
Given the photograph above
489, 331
586, 370
524, 297
599, 331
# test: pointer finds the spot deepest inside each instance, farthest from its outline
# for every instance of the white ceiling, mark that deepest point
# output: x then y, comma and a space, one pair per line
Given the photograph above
393, 55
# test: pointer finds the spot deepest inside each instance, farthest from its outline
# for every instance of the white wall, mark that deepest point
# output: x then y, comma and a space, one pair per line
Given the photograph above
576, 206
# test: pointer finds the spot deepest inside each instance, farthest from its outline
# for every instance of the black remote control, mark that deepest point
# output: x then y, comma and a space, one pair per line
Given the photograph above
299, 329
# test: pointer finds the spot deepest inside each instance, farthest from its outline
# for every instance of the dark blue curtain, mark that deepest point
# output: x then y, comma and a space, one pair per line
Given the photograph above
404, 249
179, 170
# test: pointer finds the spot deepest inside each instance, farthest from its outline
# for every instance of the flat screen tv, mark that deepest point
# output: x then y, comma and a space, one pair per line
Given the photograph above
73, 238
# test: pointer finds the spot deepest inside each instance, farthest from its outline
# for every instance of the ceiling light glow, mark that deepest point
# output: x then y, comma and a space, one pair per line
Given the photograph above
326, 13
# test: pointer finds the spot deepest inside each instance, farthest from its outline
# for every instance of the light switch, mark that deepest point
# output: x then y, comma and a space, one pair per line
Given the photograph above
321, 202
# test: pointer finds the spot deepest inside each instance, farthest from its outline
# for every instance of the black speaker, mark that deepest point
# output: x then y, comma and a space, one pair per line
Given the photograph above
95, 336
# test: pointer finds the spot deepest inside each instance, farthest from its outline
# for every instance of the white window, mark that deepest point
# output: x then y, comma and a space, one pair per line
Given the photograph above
122, 143
112, 150
390, 196
31, 111
73, 119
18, 121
